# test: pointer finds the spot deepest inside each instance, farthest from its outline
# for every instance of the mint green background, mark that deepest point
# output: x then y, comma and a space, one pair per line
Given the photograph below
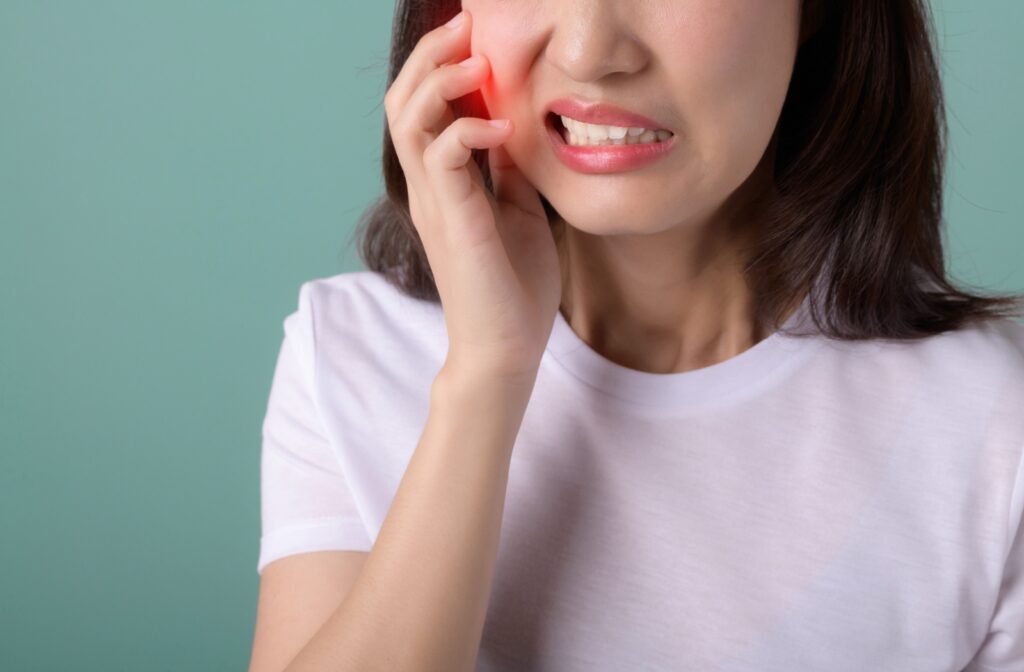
169, 174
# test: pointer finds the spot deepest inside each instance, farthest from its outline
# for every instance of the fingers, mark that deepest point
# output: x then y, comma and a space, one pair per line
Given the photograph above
415, 118
425, 112
437, 47
446, 158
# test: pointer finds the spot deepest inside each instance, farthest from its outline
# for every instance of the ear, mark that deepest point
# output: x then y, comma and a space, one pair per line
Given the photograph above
812, 15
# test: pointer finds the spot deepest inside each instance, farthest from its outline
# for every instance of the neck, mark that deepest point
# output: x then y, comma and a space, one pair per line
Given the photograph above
671, 301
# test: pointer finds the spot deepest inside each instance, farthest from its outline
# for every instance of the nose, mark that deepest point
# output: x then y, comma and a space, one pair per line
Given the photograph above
591, 39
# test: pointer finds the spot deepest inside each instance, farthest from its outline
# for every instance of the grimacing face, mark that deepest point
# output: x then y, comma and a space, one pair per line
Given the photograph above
714, 72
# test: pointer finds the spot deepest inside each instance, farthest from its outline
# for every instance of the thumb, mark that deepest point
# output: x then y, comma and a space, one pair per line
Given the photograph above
510, 185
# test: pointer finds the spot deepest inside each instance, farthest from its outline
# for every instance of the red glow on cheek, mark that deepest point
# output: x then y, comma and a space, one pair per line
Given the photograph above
486, 97
502, 35
489, 93
478, 103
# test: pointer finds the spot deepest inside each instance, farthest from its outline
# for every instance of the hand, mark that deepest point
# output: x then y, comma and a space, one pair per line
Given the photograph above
493, 257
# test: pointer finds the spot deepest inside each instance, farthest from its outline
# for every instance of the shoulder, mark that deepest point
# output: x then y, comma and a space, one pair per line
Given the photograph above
360, 319
963, 381
362, 300
356, 288
989, 352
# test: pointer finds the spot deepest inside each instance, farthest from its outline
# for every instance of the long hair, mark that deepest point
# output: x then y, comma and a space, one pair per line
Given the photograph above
856, 210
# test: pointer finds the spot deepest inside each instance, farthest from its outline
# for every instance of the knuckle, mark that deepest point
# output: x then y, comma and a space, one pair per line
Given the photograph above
422, 50
435, 153
460, 127
431, 41
432, 154
400, 126
433, 83
454, 131
393, 121
445, 80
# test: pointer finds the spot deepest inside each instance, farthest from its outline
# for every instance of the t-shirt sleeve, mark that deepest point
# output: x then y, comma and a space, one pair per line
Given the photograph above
305, 501
1003, 648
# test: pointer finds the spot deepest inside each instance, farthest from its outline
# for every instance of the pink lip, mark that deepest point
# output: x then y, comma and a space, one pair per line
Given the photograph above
601, 113
595, 159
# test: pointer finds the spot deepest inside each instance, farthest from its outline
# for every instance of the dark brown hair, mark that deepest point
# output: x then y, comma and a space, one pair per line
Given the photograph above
856, 212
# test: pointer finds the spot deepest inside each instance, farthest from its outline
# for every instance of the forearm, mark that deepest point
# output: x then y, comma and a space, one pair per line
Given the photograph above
420, 600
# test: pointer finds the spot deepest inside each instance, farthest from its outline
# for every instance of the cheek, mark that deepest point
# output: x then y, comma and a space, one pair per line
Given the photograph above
502, 34
730, 64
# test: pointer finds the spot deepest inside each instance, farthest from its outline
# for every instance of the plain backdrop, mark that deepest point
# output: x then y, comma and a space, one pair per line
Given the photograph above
170, 173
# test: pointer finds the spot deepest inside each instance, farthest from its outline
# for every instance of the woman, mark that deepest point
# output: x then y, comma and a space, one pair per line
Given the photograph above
700, 397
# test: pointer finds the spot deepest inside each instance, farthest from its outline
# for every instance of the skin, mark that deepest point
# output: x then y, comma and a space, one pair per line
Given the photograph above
651, 258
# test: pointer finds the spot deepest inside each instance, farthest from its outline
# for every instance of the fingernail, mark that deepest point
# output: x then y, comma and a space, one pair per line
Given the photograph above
471, 61
498, 123
456, 20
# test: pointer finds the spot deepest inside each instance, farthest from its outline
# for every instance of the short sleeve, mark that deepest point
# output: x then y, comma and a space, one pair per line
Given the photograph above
305, 501
1003, 648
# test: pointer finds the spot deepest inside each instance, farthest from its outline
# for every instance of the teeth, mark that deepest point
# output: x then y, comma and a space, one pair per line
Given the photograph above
597, 134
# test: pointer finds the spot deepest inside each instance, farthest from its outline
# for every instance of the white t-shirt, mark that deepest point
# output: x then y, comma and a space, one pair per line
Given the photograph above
805, 505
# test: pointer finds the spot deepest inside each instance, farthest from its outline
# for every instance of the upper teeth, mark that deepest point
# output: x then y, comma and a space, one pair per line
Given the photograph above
583, 132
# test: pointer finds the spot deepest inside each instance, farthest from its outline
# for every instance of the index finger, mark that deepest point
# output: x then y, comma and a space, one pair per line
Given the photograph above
437, 47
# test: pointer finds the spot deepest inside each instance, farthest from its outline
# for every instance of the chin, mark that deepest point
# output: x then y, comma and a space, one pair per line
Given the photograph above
608, 217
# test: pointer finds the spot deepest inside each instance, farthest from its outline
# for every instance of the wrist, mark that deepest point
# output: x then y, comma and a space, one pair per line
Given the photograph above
471, 382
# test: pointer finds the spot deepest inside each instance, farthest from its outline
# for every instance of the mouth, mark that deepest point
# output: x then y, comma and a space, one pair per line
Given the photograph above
579, 134
608, 155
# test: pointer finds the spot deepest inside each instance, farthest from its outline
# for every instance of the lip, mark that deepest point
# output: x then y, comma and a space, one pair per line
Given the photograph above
600, 159
592, 112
